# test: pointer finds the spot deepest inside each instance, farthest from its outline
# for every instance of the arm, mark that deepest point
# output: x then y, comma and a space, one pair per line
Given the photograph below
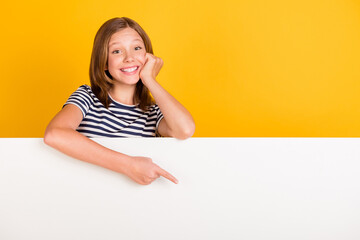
177, 121
61, 134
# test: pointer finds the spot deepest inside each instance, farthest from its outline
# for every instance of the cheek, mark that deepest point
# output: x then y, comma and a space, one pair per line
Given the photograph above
141, 57
110, 62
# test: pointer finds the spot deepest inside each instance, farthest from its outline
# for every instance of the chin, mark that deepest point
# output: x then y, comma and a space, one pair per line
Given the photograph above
129, 81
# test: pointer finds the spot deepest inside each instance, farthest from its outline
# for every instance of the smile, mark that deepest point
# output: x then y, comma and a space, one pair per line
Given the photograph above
132, 69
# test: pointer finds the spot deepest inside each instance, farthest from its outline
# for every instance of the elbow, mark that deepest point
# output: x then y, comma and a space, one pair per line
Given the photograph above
51, 136
190, 130
57, 137
187, 132
48, 136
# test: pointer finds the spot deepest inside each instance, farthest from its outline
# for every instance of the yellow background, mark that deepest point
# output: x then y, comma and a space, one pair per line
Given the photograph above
274, 68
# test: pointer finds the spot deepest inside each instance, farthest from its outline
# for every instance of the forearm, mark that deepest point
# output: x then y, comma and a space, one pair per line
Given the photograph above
76, 145
178, 118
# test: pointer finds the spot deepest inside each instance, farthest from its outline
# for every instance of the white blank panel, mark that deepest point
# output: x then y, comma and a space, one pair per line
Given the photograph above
229, 188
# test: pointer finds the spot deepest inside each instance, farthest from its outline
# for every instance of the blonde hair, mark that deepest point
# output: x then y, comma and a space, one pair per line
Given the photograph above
100, 79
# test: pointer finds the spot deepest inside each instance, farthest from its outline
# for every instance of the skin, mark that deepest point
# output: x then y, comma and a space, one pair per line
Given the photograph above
177, 122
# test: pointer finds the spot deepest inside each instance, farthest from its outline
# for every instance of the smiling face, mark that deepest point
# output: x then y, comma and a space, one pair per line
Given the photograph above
126, 56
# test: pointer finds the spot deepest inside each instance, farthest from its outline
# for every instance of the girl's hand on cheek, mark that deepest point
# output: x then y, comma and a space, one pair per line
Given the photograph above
151, 67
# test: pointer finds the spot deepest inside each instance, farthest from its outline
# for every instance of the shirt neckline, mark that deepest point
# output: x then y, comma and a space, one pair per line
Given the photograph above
121, 103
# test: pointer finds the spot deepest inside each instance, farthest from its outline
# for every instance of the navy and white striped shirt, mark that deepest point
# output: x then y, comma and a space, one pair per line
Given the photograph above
119, 120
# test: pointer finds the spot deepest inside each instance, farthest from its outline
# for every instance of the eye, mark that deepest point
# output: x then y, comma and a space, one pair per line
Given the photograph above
138, 47
115, 51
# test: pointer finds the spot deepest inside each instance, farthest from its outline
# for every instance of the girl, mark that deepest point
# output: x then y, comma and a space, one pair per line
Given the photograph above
123, 72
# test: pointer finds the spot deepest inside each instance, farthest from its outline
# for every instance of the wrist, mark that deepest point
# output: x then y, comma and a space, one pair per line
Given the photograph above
120, 163
148, 81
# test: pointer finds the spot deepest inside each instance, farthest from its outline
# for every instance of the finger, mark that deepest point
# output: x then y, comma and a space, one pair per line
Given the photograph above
167, 175
149, 56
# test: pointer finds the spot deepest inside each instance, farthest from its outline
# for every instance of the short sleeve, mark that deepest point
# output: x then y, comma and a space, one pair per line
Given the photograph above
81, 98
159, 116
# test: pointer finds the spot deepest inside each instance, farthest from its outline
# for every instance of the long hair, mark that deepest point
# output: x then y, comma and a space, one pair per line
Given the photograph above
100, 79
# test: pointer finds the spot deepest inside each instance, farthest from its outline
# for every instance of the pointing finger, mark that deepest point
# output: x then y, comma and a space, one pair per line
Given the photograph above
167, 175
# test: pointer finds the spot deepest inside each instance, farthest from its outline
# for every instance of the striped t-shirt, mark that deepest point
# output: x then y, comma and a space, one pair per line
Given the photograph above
119, 120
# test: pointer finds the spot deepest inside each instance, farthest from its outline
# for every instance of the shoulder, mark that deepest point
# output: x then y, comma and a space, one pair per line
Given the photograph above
83, 97
156, 113
154, 107
84, 88
86, 92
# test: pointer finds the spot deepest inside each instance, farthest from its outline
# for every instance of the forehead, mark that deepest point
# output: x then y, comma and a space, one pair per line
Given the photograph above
125, 36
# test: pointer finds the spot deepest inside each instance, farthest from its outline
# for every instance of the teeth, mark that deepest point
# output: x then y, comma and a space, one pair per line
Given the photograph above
129, 69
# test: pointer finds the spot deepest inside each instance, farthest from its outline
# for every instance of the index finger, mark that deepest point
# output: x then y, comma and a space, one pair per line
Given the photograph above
167, 175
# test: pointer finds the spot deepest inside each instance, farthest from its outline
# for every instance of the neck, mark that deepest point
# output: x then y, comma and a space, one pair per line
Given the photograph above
123, 93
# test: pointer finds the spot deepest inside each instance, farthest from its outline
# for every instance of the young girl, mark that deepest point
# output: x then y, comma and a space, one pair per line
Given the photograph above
123, 72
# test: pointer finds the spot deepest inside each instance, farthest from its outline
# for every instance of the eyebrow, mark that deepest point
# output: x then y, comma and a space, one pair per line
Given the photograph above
118, 42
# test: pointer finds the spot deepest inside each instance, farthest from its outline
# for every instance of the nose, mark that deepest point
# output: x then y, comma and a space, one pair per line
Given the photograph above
128, 57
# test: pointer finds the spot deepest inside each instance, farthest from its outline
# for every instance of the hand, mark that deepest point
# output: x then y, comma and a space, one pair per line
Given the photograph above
151, 68
143, 171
